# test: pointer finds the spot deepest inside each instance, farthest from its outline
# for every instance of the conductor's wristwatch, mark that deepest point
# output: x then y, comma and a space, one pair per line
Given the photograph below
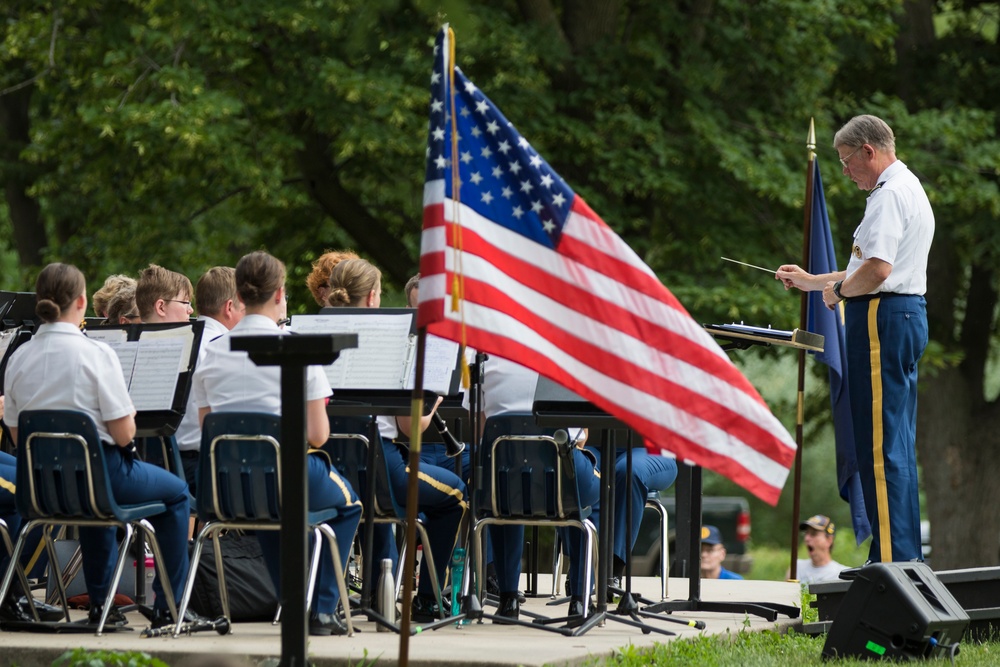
836, 289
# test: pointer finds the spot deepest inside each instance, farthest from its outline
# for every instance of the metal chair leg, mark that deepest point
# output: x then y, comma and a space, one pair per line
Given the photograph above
161, 567
556, 565
123, 549
199, 543
338, 567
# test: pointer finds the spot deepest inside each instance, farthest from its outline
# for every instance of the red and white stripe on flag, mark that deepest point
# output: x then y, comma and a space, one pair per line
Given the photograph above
590, 315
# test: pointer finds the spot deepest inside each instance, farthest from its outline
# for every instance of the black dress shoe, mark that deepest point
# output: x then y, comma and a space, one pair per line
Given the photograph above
46, 612
521, 597
324, 625
510, 607
492, 585
115, 617
10, 611
162, 618
424, 609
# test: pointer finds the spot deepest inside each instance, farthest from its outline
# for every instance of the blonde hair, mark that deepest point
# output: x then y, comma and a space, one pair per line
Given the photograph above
102, 298
352, 281
319, 279
122, 304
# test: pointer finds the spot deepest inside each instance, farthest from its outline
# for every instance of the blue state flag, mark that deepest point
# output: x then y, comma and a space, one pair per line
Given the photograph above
830, 324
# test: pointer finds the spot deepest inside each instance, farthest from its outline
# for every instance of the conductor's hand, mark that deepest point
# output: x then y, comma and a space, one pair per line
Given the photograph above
793, 275
829, 296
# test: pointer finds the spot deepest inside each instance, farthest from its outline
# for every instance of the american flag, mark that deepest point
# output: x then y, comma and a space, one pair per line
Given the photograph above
543, 281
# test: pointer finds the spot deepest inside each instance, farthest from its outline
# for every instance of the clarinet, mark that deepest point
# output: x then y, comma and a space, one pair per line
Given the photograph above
452, 446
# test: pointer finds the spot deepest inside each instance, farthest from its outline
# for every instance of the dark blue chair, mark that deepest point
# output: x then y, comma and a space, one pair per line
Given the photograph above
62, 479
347, 448
527, 481
239, 487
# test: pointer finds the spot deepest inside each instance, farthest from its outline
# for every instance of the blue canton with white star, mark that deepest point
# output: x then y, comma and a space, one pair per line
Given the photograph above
502, 177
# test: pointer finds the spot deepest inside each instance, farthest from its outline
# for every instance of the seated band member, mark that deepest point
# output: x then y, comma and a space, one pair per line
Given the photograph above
510, 387
61, 369
318, 281
356, 283
649, 473
112, 285
163, 295
220, 308
228, 380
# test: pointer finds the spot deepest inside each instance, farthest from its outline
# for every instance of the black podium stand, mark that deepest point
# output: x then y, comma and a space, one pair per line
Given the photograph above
294, 354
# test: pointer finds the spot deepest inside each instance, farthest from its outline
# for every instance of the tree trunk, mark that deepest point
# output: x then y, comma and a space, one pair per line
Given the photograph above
371, 234
30, 239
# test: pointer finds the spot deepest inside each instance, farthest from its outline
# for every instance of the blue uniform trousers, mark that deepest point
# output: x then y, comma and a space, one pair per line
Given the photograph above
8, 511
886, 337
326, 489
649, 473
441, 501
135, 482
588, 485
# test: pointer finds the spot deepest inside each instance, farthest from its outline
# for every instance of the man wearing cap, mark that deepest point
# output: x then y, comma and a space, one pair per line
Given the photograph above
819, 566
713, 552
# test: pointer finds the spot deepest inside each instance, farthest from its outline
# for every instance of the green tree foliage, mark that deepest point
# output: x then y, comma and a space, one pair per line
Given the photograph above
188, 133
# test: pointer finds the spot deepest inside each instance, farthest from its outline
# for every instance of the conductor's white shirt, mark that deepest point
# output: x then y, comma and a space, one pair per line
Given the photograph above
61, 369
189, 431
228, 381
898, 228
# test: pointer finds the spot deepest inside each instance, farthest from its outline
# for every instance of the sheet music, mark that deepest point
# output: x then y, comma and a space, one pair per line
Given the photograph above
440, 359
108, 336
379, 360
758, 331
126, 352
185, 334
154, 378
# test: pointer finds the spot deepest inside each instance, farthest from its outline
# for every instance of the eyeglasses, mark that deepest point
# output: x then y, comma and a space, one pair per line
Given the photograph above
845, 160
131, 316
187, 304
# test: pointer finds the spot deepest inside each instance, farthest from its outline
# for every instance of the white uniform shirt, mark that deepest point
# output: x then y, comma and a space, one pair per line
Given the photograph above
898, 228
61, 369
189, 431
507, 387
228, 381
810, 574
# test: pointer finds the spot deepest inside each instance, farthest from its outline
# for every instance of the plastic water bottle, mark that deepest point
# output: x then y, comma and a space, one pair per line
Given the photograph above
457, 575
386, 596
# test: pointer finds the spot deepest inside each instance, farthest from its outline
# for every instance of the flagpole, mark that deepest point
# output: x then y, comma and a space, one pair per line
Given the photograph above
412, 499
803, 324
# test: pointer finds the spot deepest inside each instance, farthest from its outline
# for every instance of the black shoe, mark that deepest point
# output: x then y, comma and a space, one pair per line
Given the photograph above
521, 597
161, 618
424, 609
492, 585
46, 612
575, 607
324, 625
509, 607
115, 617
10, 611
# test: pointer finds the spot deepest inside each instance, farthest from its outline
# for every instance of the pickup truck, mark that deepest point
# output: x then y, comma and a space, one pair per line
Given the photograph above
731, 514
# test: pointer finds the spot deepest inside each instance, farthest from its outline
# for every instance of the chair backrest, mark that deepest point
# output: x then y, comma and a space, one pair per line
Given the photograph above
61, 468
524, 474
239, 467
347, 448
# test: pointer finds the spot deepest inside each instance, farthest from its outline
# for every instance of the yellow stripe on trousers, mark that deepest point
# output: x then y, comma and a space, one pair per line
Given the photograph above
881, 491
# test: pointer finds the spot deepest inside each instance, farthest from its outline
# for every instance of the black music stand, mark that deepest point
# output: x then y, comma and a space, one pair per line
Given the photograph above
293, 354
689, 478
373, 403
557, 406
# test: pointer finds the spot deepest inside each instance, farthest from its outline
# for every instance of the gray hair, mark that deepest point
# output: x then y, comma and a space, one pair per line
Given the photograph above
862, 130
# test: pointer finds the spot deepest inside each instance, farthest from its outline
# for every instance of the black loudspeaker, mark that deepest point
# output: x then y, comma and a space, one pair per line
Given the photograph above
897, 611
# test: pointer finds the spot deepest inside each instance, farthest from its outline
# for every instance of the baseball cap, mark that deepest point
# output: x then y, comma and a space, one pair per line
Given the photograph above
711, 535
819, 522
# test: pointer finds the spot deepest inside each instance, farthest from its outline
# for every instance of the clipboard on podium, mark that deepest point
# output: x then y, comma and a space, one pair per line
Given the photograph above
741, 336
158, 363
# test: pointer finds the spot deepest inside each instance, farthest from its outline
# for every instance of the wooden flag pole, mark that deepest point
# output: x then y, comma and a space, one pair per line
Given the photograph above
803, 325
412, 500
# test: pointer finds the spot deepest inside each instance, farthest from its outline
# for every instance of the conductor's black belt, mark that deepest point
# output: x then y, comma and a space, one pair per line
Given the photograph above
878, 295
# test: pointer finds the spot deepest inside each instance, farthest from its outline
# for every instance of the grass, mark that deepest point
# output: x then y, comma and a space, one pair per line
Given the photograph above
764, 649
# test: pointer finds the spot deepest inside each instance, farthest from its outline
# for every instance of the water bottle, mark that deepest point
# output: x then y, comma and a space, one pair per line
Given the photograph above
386, 596
457, 575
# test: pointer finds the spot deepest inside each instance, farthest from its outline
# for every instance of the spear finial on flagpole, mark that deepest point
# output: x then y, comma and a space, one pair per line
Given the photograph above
811, 139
